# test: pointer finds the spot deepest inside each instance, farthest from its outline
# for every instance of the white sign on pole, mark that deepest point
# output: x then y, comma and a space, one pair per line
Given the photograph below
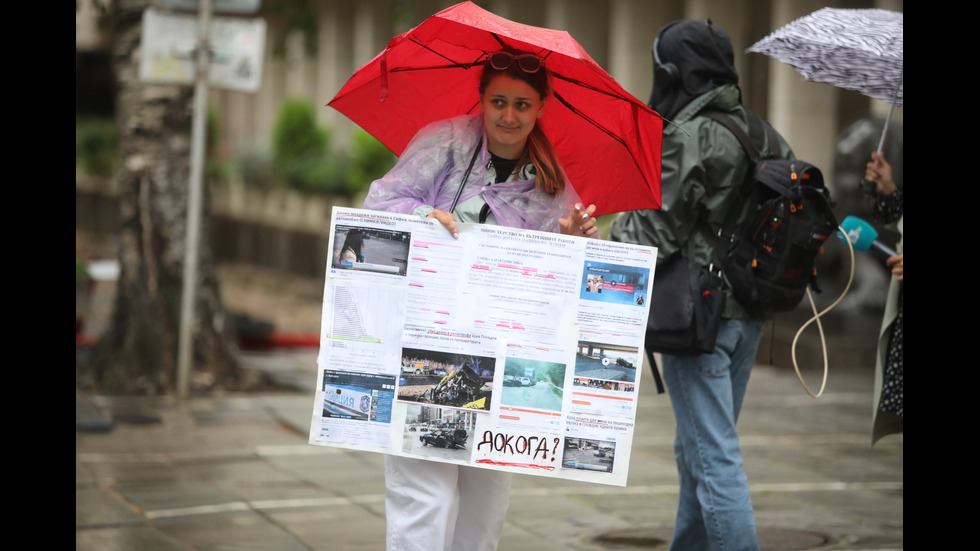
218, 6
169, 41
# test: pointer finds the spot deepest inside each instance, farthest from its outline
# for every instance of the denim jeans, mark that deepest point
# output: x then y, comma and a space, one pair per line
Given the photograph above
714, 511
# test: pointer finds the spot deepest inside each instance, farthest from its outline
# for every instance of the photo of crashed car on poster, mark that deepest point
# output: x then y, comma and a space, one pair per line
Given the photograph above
504, 349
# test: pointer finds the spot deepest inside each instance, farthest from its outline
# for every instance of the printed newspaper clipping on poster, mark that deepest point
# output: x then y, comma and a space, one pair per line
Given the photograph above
504, 349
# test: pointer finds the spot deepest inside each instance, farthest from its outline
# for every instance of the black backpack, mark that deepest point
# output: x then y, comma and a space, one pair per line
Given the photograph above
769, 260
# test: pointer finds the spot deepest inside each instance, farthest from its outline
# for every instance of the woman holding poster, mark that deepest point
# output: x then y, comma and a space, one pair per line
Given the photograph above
494, 167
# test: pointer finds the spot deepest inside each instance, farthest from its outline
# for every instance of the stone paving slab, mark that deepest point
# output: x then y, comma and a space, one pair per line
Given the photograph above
236, 473
143, 538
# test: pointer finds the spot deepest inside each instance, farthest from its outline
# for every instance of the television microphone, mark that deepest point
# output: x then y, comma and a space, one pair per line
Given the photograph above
864, 237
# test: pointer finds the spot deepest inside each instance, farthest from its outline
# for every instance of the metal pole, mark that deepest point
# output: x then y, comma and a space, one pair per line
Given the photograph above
888, 119
191, 252
881, 141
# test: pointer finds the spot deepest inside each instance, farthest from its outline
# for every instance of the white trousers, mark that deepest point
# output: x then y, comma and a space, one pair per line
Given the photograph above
433, 506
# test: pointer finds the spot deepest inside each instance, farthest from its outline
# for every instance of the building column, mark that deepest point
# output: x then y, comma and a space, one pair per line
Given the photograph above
587, 22
731, 15
804, 112
633, 26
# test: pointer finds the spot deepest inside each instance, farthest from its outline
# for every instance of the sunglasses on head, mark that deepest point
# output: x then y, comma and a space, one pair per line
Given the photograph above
529, 63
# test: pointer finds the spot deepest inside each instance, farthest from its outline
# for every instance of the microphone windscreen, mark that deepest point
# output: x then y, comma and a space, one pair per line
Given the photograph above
860, 233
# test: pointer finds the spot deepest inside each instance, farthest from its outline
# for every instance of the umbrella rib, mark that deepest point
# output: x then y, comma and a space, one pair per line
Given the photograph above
440, 54
453, 63
541, 51
589, 119
609, 133
588, 86
456, 66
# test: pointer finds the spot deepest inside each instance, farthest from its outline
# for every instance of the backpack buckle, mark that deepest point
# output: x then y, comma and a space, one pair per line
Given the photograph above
730, 238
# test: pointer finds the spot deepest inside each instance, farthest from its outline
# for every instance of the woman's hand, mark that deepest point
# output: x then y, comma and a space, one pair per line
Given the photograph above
579, 222
447, 220
880, 172
896, 263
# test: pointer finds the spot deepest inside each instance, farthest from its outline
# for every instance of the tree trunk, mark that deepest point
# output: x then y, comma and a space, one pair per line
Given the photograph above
138, 352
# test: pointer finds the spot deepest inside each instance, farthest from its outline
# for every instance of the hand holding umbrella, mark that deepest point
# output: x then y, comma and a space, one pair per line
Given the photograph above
879, 173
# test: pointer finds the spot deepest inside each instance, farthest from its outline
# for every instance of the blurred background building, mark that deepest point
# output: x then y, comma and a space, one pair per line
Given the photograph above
311, 47
313, 58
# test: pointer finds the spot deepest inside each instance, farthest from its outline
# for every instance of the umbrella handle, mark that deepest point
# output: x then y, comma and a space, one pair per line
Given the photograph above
881, 142
479, 144
867, 186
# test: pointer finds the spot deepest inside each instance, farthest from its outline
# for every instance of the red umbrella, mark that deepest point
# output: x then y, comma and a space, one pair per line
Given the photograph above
607, 140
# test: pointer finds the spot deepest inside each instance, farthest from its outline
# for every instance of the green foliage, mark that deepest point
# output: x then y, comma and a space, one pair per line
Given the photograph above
319, 175
96, 146
300, 157
299, 150
212, 133
296, 136
255, 168
370, 160
81, 271
554, 374
303, 160
215, 168
218, 171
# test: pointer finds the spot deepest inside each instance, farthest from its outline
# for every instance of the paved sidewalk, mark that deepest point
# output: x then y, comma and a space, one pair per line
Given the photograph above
235, 472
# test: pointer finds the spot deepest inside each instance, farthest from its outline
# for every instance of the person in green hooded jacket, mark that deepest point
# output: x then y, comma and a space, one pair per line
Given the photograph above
703, 166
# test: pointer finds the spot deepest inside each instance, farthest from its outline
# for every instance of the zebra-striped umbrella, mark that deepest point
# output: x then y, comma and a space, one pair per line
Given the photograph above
858, 50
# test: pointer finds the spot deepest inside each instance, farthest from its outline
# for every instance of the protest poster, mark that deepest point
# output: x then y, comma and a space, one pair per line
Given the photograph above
504, 349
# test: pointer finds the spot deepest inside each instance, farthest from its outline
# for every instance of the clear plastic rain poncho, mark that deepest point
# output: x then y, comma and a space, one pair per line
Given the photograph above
429, 172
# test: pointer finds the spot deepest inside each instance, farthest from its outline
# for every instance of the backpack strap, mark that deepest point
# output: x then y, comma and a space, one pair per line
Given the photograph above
745, 192
762, 142
724, 239
760, 134
743, 138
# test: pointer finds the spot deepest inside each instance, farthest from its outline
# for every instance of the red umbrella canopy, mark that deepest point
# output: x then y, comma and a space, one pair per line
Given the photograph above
608, 141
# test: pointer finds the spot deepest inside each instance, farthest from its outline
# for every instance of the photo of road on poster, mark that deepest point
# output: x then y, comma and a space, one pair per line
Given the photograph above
371, 250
